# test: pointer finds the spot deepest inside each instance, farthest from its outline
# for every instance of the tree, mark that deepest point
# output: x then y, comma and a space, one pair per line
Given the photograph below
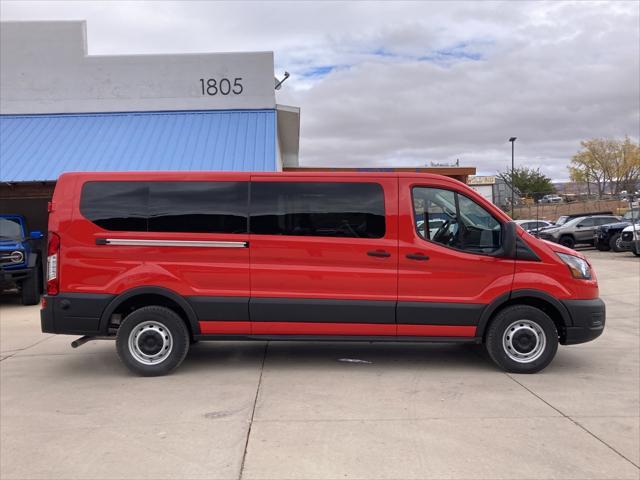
578, 175
528, 181
610, 163
629, 172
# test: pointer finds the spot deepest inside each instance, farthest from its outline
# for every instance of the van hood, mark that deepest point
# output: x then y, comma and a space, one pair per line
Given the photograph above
557, 248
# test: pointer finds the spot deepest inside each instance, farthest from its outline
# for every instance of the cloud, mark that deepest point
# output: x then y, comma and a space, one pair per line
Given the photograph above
406, 84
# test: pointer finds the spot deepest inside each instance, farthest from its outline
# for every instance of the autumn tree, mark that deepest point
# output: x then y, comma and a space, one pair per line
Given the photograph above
528, 181
611, 164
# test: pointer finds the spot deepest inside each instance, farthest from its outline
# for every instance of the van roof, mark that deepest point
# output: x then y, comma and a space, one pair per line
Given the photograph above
208, 175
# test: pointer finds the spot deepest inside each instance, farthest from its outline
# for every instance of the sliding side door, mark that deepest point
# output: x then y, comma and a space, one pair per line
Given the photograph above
324, 255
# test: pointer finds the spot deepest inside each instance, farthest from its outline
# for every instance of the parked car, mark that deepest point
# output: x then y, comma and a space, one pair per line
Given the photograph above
609, 236
630, 239
434, 225
551, 199
156, 260
577, 230
533, 226
20, 261
565, 218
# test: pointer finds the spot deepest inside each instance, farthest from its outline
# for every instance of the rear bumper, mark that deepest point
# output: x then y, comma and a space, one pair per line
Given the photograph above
588, 319
74, 313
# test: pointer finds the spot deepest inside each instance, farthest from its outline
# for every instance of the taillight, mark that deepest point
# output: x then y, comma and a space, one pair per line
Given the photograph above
53, 270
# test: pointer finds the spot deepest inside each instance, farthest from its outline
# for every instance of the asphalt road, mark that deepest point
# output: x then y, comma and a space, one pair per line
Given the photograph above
298, 410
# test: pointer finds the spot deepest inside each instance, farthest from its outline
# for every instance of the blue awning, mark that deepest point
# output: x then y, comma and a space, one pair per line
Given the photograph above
41, 147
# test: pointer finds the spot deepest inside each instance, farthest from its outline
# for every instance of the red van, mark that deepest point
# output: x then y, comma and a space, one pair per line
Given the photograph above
159, 260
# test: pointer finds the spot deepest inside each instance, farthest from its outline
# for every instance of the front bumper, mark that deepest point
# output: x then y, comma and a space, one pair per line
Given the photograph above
548, 237
600, 239
630, 245
588, 319
15, 275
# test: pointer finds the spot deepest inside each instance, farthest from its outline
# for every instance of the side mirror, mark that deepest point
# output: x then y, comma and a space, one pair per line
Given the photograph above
580, 225
508, 240
36, 235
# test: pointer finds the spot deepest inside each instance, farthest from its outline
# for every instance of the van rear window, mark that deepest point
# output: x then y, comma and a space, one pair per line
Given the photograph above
321, 209
196, 207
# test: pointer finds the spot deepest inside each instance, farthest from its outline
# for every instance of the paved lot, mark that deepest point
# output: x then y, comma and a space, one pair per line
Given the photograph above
294, 410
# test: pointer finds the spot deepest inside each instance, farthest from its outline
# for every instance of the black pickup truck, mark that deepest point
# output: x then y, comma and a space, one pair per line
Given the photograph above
608, 237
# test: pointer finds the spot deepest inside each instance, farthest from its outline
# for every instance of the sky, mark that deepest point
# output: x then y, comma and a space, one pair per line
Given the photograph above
409, 84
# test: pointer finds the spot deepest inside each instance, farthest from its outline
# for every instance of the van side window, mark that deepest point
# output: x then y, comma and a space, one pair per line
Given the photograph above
117, 206
195, 207
446, 217
321, 209
198, 207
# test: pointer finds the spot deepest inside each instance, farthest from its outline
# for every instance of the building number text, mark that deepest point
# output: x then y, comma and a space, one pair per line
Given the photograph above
223, 86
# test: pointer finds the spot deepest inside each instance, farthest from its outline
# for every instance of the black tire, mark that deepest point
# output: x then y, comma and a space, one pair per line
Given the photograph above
533, 320
614, 243
636, 250
567, 241
156, 324
30, 290
602, 247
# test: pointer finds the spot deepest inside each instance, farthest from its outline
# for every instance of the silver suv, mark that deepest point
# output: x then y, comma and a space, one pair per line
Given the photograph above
577, 230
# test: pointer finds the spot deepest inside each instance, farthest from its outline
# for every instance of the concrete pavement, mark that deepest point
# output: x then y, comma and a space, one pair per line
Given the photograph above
295, 411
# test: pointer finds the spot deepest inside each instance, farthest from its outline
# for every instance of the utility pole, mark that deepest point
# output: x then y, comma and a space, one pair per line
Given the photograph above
513, 191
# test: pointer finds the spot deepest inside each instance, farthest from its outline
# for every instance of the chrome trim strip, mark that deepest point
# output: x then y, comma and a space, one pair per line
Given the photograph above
135, 242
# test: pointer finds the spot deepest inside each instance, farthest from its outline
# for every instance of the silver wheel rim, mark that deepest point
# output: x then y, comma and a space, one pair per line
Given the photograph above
524, 341
150, 343
619, 243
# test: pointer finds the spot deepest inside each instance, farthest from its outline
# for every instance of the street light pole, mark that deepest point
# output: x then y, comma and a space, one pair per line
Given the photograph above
513, 193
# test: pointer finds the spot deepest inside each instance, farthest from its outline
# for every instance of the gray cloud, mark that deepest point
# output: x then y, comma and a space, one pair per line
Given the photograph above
405, 84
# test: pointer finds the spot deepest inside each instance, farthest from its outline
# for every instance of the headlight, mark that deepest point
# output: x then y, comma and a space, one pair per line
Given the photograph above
16, 257
579, 268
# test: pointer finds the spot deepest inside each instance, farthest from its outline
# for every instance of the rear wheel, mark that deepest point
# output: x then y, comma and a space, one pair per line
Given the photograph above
567, 241
522, 339
616, 243
152, 341
30, 290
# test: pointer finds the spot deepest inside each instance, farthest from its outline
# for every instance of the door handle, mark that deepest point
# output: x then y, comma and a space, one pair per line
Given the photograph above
378, 253
417, 256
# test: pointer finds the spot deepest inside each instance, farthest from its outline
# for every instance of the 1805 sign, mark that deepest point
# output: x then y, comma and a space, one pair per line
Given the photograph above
222, 86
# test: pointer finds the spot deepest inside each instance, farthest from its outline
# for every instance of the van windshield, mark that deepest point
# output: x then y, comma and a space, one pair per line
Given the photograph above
10, 229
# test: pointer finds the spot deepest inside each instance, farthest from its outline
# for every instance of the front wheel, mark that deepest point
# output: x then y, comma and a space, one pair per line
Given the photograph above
616, 243
522, 339
152, 341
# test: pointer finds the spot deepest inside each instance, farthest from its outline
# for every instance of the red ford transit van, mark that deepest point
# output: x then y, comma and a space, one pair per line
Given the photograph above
159, 260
